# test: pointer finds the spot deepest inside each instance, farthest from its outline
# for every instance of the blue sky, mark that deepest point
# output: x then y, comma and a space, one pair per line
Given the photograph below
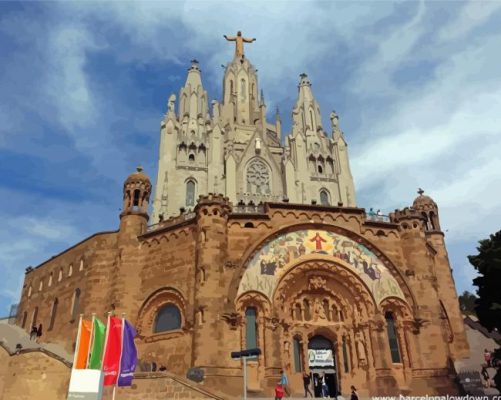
84, 85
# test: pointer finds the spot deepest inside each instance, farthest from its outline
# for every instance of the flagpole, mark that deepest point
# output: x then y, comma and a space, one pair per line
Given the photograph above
91, 343
121, 352
106, 339
105, 342
77, 344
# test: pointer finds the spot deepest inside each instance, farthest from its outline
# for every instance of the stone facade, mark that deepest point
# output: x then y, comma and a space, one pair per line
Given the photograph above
375, 297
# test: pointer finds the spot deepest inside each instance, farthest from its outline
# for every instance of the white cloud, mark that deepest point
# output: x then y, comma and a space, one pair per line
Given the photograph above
473, 14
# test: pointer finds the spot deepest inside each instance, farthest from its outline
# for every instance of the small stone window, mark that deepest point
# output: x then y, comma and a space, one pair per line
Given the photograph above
190, 193
251, 328
167, 319
40, 286
81, 267
75, 306
70, 270
53, 314
393, 338
60, 277
324, 197
191, 157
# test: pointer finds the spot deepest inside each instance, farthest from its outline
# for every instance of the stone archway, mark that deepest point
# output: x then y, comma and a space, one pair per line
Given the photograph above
322, 298
322, 366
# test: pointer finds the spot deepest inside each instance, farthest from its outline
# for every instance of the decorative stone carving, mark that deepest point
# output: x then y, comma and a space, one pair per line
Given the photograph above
317, 282
233, 319
171, 104
319, 311
230, 264
258, 177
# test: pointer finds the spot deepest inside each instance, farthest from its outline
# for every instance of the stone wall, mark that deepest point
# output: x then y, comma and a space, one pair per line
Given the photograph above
85, 267
34, 375
161, 386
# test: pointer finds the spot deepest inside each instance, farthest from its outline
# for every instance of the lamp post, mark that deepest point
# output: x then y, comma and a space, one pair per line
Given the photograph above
245, 354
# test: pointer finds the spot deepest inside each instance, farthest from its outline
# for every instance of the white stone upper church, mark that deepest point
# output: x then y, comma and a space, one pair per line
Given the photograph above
234, 150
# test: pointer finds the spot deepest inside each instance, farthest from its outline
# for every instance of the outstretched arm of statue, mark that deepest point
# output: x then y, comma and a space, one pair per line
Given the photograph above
230, 38
246, 40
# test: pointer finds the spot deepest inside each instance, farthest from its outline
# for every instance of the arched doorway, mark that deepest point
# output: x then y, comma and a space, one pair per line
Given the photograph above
322, 364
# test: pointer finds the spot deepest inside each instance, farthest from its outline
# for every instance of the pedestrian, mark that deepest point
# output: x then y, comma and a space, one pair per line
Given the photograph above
285, 383
325, 388
39, 333
33, 333
306, 384
372, 214
487, 357
354, 394
279, 392
485, 375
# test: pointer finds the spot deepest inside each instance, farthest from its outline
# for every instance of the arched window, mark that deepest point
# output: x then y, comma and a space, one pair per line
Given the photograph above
40, 286
50, 279
70, 270
190, 193
320, 169
243, 93
191, 158
298, 355
75, 304
168, 318
60, 277
30, 289
250, 328
137, 194
432, 221
23, 323
81, 267
34, 317
324, 197
53, 313
312, 120
392, 338
426, 221
258, 177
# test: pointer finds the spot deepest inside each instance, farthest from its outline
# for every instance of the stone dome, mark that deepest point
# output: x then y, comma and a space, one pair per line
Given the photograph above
138, 176
423, 201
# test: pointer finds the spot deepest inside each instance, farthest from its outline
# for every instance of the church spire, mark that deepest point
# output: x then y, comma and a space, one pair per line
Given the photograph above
306, 113
193, 97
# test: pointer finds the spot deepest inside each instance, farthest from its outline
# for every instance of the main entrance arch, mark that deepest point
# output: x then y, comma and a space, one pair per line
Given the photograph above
313, 284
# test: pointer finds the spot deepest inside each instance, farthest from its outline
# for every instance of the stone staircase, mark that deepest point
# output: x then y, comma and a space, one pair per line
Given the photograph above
11, 336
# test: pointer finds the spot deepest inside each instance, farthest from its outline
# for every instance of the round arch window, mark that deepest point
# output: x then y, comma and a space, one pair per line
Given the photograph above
168, 319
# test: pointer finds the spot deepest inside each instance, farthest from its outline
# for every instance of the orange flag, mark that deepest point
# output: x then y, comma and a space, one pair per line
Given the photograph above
83, 344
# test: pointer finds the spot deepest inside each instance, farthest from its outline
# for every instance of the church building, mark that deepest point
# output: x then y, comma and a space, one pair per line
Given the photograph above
255, 241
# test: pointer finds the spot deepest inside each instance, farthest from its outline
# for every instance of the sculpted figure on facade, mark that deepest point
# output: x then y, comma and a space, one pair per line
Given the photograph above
361, 352
239, 43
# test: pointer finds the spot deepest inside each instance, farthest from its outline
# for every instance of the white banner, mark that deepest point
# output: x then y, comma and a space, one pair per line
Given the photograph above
320, 358
86, 384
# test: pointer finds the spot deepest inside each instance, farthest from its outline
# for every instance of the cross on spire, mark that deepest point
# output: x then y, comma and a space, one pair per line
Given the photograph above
420, 191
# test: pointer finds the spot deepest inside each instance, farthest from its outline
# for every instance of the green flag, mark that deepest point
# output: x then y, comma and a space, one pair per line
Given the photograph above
97, 345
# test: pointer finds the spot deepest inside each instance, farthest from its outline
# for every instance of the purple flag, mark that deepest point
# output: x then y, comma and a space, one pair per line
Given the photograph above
129, 356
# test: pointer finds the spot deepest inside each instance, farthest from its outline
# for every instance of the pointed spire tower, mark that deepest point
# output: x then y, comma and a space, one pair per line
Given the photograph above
317, 169
193, 104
